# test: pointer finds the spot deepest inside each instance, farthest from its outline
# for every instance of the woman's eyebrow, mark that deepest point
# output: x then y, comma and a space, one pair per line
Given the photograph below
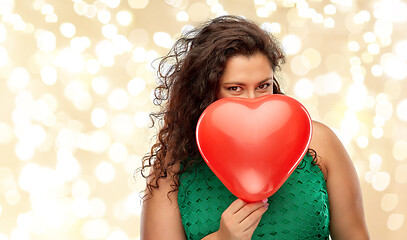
243, 84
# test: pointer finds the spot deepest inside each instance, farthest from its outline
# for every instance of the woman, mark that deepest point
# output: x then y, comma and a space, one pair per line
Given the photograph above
232, 57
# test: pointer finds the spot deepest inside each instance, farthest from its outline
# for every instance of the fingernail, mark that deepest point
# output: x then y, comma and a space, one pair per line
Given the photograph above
265, 200
266, 205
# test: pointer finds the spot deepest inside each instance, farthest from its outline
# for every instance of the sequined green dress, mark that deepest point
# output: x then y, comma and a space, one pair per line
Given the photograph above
298, 210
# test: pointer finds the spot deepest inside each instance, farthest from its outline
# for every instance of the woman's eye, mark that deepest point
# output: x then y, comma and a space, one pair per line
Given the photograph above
234, 89
264, 86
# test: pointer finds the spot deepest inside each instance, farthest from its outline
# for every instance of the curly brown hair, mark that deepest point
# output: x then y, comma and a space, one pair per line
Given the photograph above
189, 82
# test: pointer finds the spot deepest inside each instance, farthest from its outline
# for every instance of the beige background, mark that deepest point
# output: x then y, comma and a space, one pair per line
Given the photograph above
75, 85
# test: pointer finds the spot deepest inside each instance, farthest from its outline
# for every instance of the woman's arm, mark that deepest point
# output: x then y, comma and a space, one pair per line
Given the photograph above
345, 198
160, 216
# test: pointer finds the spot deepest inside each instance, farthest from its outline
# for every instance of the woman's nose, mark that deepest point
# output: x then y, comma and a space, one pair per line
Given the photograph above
251, 94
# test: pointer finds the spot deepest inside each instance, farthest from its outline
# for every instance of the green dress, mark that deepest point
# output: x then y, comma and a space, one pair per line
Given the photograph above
298, 210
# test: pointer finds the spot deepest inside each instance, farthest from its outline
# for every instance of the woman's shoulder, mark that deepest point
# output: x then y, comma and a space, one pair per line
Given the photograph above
327, 146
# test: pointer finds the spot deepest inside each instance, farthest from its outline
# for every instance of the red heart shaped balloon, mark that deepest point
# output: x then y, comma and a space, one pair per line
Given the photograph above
253, 145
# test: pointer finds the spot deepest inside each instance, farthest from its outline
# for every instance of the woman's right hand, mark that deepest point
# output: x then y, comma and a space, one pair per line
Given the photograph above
240, 219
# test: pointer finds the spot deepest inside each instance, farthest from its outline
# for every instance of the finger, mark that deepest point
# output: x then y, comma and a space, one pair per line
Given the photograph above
247, 210
255, 216
253, 227
236, 206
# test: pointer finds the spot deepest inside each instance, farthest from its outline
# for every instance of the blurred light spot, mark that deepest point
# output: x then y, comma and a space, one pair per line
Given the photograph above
329, 22
350, 124
356, 96
67, 165
97, 208
182, 16
389, 201
79, 44
395, 221
369, 37
361, 17
99, 117
377, 132
400, 48
136, 86
271, 27
117, 235
262, 12
92, 66
304, 88
6, 6
121, 44
24, 150
139, 37
90, 11
81, 207
362, 141
198, 11
19, 234
6, 133
124, 18
400, 150
105, 53
375, 162
46, 40
330, 9
118, 152
259, 2
377, 70
70, 60
327, 84
383, 28
104, 16
313, 56
47, 9
217, 8
123, 125
369, 177
118, 99
291, 44
77, 93
2, 236
133, 203
95, 229
49, 75
384, 109
379, 121
394, 66
3, 56
400, 174
373, 48
100, 85
141, 119
105, 172
80, 189
51, 18
317, 18
381, 181
67, 30
113, 3
138, 4
300, 65
163, 39
271, 6
99, 141
402, 110
13, 197
394, 11
109, 30
18, 79
139, 54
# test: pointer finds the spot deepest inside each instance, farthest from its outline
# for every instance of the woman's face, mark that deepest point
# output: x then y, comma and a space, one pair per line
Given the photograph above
247, 77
